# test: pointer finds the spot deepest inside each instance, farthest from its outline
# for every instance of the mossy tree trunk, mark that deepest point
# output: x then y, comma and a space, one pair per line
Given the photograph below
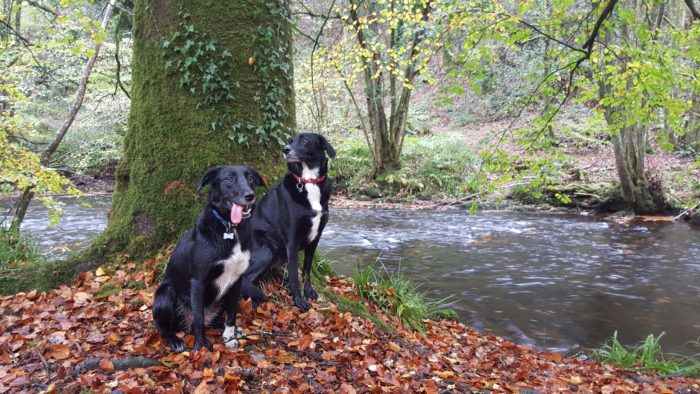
171, 142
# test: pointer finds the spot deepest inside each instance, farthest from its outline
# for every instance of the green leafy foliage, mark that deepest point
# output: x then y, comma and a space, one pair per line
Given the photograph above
435, 166
203, 71
272, 60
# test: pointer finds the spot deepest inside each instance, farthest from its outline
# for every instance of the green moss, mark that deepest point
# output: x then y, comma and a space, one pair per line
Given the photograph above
107, 290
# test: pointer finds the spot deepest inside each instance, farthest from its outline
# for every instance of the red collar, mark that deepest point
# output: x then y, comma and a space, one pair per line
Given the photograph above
312, 180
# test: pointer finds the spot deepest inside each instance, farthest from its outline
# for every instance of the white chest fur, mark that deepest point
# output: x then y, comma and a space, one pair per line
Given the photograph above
313, 194
234, 266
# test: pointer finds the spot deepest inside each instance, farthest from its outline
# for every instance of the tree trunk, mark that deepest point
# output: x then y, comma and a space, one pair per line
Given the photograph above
18, 20
169, 143
692, 134
629, 147
5, 28
629, 142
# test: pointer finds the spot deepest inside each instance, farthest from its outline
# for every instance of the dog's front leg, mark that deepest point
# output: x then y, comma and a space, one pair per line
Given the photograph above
293, 273
197, 290
309, 251
231, 331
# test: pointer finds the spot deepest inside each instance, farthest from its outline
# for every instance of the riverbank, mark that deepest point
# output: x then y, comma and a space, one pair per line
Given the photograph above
98, 334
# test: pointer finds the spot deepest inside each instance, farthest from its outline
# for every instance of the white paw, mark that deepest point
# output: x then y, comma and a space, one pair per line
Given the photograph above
230, 333
232, 344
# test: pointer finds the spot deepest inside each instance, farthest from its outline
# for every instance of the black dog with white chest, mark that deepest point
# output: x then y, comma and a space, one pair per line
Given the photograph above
202, 277
291, 217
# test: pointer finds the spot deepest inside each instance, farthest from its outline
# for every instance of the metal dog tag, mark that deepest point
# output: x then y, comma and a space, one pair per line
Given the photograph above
228, 236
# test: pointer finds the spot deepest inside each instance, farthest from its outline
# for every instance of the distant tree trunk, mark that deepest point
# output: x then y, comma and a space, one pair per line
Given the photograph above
629, 142
5, 28
692, 134
169, 143
386, 122
18, 21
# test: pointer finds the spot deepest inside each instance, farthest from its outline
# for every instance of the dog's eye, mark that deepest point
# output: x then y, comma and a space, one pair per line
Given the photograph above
304, 140
250, 179
230, 179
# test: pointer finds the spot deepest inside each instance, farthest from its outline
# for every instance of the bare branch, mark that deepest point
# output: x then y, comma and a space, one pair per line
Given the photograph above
313, 51
80, 95
42, 7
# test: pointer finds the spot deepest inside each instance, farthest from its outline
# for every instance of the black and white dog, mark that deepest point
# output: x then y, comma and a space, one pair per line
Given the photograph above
202, 277
291, 217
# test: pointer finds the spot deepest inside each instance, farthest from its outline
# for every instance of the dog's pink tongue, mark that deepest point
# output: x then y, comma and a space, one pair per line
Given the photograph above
236, 213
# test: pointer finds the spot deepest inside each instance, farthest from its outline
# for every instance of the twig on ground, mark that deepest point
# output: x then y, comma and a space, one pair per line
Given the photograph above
46, 366
119, 363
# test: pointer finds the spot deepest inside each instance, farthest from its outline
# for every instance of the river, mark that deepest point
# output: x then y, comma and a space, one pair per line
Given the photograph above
558, 282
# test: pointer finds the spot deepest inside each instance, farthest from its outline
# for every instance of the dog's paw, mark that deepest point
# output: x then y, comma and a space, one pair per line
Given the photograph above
177, 344
301, 303
232, 332
259, 301
309, 292
200, 345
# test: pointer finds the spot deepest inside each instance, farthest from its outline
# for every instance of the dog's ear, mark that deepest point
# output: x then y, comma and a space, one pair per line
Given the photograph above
259, 180
327, 146
208, 177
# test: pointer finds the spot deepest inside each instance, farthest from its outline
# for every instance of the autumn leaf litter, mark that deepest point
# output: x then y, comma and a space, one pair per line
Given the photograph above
75, 338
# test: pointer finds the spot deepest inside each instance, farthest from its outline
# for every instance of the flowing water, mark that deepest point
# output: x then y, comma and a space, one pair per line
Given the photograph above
558, 282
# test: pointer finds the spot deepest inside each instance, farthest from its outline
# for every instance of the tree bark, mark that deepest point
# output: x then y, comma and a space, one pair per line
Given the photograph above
692, 134
5, 29
18, 23
169, 144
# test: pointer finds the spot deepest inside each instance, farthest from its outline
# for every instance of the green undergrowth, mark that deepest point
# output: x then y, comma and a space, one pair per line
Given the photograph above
391, 293
396, 295
648, 356
433, 166
323, 269
18, 254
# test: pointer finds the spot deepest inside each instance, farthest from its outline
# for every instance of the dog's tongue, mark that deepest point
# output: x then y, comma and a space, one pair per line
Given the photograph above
236, 213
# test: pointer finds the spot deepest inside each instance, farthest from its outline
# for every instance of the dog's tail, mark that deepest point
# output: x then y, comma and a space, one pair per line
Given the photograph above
166, 314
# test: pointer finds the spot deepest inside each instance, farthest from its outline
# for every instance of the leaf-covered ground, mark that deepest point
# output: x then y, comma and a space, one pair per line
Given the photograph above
98, 334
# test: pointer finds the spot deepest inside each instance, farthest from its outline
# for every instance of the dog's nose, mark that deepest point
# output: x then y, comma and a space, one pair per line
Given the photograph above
250, 197
287, 149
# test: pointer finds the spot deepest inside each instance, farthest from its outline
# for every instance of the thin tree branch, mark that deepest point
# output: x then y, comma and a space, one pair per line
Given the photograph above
117, 40
12, 31
549, 37
80, 95
42, 7
313, 50
596, 29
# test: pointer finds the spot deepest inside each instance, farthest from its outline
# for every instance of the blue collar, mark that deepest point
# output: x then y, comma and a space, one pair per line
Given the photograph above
225, 223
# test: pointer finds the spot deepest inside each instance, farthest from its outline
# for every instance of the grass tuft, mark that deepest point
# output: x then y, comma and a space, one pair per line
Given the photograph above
648, 356
396, 295
19, 256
